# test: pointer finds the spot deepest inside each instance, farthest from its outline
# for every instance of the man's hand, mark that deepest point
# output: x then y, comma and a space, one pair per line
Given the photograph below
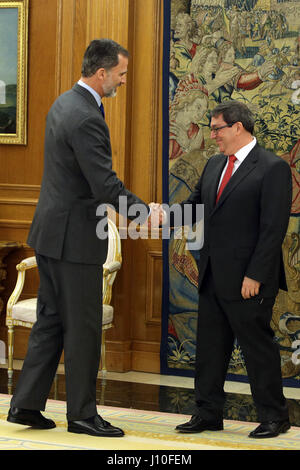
156, 217
250, 287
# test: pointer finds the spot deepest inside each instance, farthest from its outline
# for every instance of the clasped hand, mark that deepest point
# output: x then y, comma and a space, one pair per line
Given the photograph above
156, 217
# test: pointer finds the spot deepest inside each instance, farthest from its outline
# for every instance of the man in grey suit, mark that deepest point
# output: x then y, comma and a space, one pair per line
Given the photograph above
78, 176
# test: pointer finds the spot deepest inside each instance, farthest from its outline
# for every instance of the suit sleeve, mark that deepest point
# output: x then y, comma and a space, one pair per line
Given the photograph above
194, 213
275, 206
91, 144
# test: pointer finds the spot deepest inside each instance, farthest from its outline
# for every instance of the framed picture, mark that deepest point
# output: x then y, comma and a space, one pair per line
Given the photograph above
13, 71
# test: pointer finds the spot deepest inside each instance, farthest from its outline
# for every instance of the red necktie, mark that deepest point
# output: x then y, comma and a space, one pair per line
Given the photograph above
227, 175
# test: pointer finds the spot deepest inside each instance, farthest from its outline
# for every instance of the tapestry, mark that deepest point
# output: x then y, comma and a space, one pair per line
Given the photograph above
216, 50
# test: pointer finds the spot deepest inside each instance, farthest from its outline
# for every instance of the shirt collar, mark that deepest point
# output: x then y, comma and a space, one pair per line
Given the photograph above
92, 91
242, 153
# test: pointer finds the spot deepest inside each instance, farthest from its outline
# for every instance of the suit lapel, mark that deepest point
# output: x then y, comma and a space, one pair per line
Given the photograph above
214, 178
242, 172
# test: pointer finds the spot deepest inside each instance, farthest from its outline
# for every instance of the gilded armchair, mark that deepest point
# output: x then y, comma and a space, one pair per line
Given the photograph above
23, 312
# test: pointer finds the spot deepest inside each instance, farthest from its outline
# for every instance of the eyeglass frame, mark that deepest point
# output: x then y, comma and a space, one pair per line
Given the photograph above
217, 129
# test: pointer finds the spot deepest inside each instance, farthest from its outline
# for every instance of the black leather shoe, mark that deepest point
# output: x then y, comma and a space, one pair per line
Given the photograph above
270, 429
95, 426
198, 424
32, 418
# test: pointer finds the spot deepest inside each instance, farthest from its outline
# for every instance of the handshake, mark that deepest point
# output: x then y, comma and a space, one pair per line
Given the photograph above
157, 215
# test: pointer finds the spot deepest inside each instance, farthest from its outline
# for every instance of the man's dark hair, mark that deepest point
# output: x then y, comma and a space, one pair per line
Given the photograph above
101, 53
235, 111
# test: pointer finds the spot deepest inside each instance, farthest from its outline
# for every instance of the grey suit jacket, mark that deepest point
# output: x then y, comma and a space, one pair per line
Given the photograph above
244, 231
77, 178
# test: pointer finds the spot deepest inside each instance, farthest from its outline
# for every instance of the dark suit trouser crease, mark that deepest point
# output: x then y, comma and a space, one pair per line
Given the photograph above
69, 317
219, 323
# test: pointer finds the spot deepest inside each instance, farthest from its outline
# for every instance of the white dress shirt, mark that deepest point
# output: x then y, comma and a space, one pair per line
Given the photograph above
241, 154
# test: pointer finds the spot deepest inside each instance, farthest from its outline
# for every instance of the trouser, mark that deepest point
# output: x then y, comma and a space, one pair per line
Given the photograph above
69, 318
219, 323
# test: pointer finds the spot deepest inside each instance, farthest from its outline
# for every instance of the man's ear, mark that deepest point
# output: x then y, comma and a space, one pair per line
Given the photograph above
239, 126
101, 73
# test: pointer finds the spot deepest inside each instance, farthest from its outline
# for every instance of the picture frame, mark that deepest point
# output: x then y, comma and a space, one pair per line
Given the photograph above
13, 71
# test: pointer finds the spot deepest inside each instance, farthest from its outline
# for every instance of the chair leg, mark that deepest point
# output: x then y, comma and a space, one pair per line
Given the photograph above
103, 352
10, 370
55, 386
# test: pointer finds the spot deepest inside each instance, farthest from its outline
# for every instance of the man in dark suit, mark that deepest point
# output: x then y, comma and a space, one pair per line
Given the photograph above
246, 191
78, 177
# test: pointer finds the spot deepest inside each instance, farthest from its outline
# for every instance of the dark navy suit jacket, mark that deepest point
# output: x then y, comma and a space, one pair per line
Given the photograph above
244, 231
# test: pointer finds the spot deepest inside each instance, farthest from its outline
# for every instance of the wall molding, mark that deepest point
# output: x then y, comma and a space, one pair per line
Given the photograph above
15, 190
153, 269
15, 223
139, 355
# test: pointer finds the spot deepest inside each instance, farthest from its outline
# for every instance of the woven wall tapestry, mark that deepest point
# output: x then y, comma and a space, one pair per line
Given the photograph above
216, 50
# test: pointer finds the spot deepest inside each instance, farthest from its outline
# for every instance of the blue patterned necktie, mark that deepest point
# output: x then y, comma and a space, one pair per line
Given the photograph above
102, 110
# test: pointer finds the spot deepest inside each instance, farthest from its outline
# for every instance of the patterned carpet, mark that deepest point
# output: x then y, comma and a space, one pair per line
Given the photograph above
144, 430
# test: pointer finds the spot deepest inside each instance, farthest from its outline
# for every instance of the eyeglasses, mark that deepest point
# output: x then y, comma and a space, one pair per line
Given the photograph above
217, 129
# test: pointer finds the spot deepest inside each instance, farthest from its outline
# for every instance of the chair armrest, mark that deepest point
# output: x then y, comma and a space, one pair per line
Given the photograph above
27, 263
110, 268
